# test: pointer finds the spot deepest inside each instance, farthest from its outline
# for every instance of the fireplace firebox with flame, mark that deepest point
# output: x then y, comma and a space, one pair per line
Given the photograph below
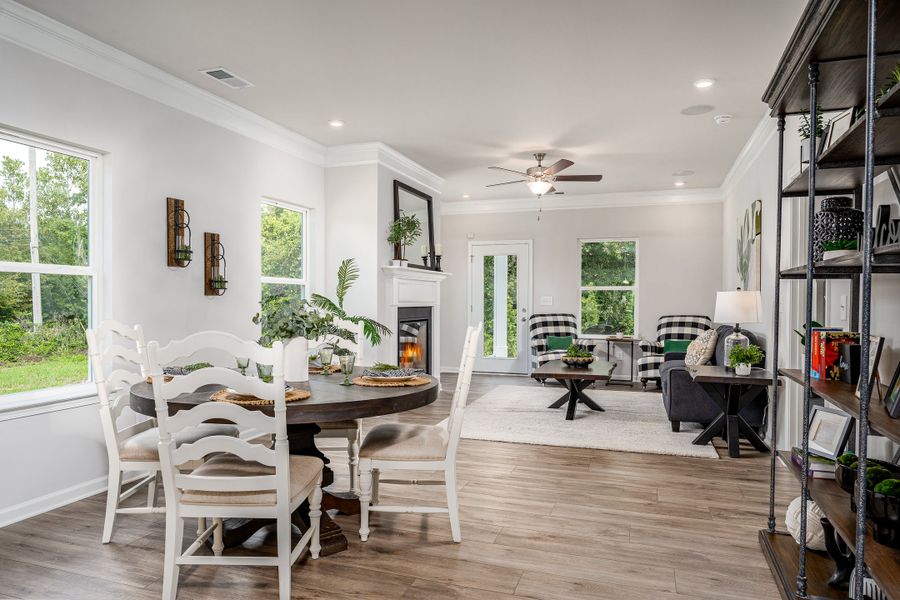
413, 347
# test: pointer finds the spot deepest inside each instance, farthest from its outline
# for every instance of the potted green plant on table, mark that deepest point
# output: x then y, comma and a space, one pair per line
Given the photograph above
402, 233
290, 320
742, 358
576, 356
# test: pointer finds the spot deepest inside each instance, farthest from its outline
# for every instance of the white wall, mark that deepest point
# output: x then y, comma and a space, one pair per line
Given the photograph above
680, 266
151, 151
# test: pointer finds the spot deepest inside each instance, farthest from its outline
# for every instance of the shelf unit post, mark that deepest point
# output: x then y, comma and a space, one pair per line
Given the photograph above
773, 414
866, 284
807, 360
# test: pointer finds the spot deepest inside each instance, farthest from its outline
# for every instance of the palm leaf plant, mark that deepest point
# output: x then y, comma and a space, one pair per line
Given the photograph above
347, 275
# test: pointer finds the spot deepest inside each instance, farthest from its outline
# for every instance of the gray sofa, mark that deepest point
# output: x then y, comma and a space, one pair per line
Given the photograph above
685, 400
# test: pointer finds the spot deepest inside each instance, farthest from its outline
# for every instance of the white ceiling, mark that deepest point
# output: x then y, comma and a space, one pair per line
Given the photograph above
461, 85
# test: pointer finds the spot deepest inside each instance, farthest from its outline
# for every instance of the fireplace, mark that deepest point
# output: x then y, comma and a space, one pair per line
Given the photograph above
414, 337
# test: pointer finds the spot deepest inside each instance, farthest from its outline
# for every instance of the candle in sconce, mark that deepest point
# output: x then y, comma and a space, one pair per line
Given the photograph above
437, 250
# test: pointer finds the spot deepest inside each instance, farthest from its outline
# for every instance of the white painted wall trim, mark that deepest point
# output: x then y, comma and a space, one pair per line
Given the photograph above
41, 34
586, 201
756, 143
51, 501
350, 155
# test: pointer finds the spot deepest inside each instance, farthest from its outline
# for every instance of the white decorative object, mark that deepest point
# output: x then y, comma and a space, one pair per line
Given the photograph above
829, 254
742, 369
296, 359
419, 448
815, 535
242, 479
701, 348
739, 306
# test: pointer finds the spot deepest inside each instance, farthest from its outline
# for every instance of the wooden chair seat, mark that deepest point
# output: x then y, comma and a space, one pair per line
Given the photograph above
402, 441
303, 471
145, 445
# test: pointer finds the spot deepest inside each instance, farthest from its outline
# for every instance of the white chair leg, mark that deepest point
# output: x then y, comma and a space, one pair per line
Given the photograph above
365, 495
376, 478
201, 525
218, 537
284, 555
315, 519
353, 461
113, 490
174, 535
153, 490
452, 502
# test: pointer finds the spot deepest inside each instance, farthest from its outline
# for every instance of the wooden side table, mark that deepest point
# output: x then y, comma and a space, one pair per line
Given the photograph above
631, 341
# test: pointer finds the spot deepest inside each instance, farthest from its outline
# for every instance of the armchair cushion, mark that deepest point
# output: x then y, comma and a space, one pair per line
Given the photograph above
702, 349
559, 342
675, 346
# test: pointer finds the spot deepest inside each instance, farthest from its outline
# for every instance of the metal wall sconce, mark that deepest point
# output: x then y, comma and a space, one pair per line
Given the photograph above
215, 281
178, 234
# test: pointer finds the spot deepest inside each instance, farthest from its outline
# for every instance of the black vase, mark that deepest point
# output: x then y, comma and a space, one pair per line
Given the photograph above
836, 221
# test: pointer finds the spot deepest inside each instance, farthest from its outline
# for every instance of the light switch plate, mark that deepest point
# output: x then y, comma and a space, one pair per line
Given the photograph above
546, 300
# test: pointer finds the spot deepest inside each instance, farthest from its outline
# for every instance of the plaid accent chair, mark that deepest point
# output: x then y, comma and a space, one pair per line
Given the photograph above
543, 324
669, 327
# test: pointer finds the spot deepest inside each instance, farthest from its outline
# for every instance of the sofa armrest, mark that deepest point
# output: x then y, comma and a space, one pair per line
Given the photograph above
674, 356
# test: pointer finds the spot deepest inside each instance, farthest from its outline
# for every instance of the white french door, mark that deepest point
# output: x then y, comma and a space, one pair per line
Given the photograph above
500, 296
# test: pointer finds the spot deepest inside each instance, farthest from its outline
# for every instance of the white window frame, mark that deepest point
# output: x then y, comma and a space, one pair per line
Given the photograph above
632, 288
304, 250
67, 396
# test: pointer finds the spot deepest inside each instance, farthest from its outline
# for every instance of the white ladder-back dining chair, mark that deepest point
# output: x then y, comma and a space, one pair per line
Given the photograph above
243, 479
351, 429
418, 448
134, 446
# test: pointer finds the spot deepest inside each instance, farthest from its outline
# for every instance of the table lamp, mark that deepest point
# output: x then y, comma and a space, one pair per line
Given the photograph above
739, 306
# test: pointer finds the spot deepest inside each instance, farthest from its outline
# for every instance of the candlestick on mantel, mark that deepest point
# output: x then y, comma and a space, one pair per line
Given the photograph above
424, 250
438, 249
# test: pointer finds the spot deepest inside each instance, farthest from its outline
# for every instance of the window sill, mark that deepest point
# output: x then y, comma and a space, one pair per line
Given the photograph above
27, 404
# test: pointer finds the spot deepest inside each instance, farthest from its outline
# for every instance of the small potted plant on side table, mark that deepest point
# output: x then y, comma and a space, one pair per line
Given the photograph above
744, 357
402, 233
576, 356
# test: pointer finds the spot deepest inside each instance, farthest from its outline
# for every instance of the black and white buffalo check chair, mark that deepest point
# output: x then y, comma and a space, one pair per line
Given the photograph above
546, 324
669, 327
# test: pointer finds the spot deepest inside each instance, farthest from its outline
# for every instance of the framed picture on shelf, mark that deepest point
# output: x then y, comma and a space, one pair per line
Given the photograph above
892, 400
829, 430
875, 345
838, 127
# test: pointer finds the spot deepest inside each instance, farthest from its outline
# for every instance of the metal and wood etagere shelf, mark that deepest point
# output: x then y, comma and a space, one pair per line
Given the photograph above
838, 52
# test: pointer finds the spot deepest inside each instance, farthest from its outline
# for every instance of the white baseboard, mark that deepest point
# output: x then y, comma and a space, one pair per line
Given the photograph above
48, 502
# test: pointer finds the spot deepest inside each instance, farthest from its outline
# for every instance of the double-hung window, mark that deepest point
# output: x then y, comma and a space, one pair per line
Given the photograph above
48, 265
283, 233
609, 288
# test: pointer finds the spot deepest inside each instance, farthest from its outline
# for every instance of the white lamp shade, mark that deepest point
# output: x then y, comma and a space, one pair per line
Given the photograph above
539, 187
739, 306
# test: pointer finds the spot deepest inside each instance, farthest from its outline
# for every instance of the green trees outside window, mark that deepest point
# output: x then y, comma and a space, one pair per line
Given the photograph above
608, 287
489, 333
283, 260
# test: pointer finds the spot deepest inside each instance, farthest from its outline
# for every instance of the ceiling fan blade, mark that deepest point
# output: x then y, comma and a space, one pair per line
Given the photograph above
552, 190
506, 183
558, 166
510, 170
578, 178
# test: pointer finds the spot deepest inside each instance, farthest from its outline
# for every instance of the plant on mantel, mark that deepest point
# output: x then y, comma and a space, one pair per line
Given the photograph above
403, 232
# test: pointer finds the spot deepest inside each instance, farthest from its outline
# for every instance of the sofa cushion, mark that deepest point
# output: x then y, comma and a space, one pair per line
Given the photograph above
701, 349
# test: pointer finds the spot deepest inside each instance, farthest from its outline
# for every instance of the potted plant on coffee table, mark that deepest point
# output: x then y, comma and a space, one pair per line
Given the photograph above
402, 233
744, 357
576, 356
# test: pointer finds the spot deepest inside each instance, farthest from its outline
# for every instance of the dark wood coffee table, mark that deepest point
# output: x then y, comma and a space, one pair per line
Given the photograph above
732, 393
575, 379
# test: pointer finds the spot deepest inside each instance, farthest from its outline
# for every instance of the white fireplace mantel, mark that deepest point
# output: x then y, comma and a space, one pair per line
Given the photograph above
404, 286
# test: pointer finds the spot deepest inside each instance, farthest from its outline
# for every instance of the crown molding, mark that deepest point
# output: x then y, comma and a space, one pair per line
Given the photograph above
41, 34
587, 201
756, 143
350, 155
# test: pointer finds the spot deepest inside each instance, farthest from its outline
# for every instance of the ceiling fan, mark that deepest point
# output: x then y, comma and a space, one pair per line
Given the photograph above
540, 179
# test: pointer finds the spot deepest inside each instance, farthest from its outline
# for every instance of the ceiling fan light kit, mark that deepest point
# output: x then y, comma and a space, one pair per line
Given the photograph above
540, 179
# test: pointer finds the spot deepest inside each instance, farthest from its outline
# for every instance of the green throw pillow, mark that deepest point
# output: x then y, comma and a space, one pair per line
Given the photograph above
675, 345
559, 342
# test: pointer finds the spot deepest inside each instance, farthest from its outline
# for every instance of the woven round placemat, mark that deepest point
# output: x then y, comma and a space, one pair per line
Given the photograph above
372, 383
292, 395
166, 378
320, 370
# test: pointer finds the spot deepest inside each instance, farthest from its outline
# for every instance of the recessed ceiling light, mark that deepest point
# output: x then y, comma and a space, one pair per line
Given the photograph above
702, 84
467, 195
722, 119
679, 184
697, 109
336, 123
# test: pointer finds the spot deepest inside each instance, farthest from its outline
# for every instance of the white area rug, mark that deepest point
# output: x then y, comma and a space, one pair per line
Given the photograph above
632, 422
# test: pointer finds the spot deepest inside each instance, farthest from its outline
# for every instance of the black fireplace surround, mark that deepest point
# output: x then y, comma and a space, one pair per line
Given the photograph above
414, 337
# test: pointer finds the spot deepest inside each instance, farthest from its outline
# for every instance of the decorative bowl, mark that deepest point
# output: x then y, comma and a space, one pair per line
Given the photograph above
846, 477
884, 511
577, 361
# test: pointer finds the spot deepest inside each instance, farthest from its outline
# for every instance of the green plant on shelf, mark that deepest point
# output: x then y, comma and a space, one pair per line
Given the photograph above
840, 245
576, 351
745, 355
848, 459
888, 487
805, 125
802, 334
875, 474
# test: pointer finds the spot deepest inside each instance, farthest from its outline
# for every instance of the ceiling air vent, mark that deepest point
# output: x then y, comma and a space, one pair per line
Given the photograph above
228, 78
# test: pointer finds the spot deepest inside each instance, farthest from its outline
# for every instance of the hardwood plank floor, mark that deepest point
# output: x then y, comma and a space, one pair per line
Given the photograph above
538, 522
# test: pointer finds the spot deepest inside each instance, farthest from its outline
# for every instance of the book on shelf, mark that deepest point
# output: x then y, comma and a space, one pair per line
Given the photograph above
819, 467
814, 336
826, 357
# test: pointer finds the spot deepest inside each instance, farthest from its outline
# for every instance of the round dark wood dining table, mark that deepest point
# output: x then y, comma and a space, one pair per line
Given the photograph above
330, 402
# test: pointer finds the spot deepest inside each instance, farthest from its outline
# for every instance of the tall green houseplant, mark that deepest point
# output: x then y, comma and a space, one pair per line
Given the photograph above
347, 275
403, 232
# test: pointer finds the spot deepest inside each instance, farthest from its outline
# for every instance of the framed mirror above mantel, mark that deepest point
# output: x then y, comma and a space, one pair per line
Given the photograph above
410, 201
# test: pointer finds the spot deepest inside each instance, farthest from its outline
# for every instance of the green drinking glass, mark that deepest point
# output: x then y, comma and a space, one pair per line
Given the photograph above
347, 361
